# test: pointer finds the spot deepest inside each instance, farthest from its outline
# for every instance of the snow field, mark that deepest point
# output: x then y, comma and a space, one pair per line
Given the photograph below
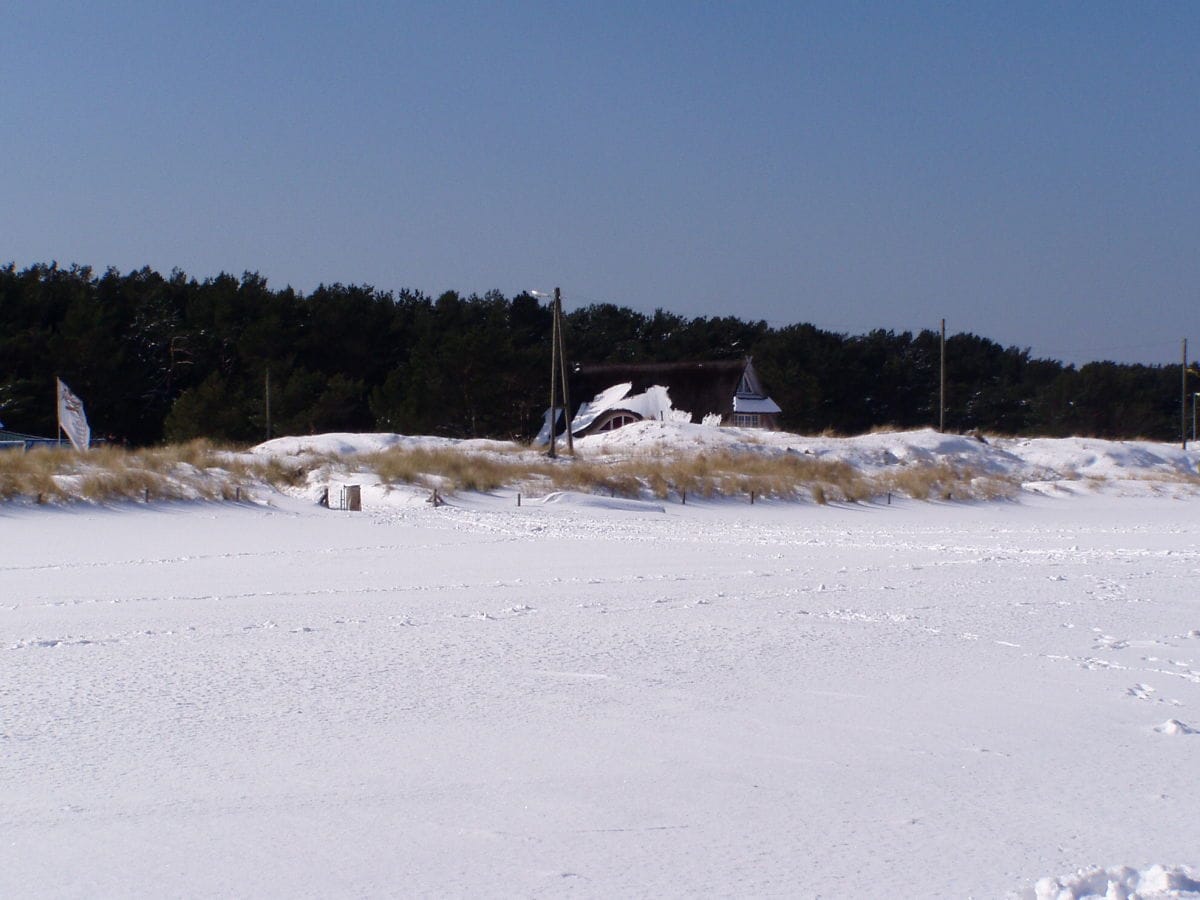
718, 699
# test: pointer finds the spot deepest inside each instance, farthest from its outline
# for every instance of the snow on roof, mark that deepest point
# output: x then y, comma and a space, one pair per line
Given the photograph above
755, 405
699, 387
653, 403
598, 405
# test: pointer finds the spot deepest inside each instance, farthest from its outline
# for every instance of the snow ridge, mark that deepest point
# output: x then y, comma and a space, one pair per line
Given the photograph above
1120, 883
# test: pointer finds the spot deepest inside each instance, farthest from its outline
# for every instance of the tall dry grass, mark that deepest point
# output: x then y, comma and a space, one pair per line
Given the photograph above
443, 468
195, 470
200, 470
30, 474
946, 481
656, 474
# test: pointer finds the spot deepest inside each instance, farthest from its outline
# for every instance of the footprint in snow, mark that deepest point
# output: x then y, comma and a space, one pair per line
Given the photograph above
1175, 727
1140, 692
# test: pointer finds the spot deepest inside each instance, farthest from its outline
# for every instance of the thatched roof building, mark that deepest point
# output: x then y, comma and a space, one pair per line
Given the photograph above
729, 389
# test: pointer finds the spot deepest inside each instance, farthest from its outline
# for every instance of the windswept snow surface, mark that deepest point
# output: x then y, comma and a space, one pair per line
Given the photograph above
783, 700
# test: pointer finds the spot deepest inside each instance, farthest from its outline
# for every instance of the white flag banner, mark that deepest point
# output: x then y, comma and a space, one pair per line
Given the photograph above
72, 419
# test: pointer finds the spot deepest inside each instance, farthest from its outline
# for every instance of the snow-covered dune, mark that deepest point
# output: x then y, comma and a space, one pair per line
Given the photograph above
1059, 466
353, 443
1028, 459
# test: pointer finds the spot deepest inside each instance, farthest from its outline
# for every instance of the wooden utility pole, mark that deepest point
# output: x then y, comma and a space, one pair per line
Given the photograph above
553, 378
267, 400
942, 383
558, 369
1183, 397
562, 363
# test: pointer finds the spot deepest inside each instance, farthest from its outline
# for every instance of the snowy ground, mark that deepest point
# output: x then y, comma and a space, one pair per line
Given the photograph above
915, 700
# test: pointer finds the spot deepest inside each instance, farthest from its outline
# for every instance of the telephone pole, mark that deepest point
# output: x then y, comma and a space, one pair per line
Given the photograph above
562, 362
553, 452
1183, 397
942, 383
558, 369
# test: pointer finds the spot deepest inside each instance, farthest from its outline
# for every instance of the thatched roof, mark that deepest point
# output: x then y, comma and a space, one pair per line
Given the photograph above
699, 387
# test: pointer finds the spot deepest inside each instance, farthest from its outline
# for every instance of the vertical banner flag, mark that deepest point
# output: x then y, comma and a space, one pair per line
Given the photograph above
71, 418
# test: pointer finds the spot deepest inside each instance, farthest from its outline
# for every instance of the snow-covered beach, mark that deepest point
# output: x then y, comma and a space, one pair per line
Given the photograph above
611, 698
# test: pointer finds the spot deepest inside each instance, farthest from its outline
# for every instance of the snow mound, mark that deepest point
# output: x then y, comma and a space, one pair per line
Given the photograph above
1101, 459
1120, 883
1173, 727
1055, 467
351, 444
655, 436
1030, 461
591, 501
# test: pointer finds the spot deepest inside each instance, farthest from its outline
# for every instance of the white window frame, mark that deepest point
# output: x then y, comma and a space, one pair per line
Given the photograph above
620, 420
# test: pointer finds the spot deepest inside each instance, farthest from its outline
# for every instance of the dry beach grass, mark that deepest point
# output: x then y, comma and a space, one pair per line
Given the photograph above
200, 470
192, 471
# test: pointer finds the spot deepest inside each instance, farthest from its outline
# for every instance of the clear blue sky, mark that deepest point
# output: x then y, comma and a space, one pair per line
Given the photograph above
1029, 171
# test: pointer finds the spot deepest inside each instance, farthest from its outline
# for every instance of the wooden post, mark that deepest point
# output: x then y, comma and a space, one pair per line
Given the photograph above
1183, 397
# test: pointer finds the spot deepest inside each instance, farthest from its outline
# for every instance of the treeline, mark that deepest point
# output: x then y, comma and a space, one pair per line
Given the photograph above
174, 358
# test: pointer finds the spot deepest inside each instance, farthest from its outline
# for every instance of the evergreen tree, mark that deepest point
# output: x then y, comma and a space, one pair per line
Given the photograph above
172, 357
